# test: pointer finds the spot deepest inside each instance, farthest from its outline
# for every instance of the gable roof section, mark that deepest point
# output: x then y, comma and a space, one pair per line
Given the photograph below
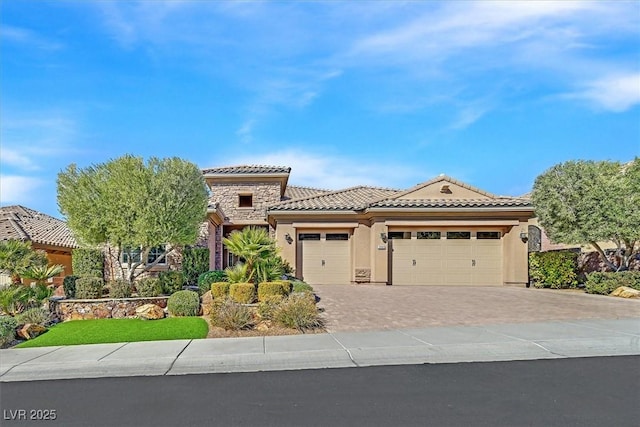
247, 170
298, 192
18, 222
444, 179
350, 199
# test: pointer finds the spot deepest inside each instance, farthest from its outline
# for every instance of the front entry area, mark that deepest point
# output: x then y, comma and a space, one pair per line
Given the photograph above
439, 257
326, 257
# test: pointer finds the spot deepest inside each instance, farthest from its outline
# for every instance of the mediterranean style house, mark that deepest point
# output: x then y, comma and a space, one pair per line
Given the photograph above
440, 232
43, 231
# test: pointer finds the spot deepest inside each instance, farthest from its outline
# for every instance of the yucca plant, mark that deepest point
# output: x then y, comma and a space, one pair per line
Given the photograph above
237, 274
42, 273
16, 256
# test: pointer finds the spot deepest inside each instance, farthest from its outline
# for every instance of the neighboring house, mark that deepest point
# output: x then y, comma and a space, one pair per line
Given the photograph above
441, 232
43, 231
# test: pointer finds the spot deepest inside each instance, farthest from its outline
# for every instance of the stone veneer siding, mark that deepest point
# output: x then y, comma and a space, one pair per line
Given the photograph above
80, 309
227, 195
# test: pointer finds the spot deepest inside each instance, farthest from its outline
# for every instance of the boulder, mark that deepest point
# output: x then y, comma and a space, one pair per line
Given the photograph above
207, 302
150, 312
625, 292
30, 330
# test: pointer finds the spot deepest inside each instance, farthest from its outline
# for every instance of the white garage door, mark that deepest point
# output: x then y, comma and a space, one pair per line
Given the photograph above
447, 258
326, 258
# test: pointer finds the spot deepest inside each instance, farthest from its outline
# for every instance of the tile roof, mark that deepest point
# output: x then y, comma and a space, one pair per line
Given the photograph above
18, 222
298, 192
452, 203
247, 169
447, 178
350, 199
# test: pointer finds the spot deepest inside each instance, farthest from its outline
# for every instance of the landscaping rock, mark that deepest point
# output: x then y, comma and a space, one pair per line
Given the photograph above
625, 292
30, 330
150, 312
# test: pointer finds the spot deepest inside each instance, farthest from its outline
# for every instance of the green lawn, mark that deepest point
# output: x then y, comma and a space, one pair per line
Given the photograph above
120, 330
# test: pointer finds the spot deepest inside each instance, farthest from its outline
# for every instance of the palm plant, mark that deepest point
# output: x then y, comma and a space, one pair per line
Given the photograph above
16, 256
254, 247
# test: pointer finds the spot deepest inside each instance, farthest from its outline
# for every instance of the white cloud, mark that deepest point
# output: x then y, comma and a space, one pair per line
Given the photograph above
332, 172
16, 158
15, 189
28, 37
615, 93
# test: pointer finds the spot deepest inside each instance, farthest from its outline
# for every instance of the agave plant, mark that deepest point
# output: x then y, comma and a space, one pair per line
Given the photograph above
42, 273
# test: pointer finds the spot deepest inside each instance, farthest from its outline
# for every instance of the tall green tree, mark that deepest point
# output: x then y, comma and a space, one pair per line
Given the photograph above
581, 202
17, 256
134, 206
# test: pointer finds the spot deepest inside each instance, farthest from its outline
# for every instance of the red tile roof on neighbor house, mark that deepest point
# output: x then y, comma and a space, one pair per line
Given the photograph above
18, 222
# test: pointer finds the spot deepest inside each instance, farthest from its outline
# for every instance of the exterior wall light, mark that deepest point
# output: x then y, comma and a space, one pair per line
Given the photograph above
524, 236
288, 238
383, 237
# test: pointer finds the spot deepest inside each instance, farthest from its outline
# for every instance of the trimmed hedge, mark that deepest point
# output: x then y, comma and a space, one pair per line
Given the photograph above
555, 270
184, 303
605, 283
69, 286
171, 281
149, 287
89, 287
119, 288
195, 261
87, 262
206, 279
244, 293
220, 289
267, 289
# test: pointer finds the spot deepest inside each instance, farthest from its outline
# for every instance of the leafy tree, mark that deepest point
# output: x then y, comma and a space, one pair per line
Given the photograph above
134, 207
589, 202
258, 253
16, 256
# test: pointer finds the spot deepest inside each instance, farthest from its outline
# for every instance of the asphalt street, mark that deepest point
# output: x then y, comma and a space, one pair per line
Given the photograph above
599, 391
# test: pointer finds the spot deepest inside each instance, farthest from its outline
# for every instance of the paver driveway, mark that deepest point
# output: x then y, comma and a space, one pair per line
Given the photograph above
375, 307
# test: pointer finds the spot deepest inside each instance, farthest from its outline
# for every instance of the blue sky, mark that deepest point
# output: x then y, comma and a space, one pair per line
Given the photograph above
346, 93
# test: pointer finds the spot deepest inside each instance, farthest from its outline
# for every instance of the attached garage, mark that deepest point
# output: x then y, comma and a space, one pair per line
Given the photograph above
326, 257
441, 257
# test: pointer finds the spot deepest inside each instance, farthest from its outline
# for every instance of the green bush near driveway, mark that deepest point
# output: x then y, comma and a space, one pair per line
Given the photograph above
555, 270
99, 331
244, 293
184, 303
8, 326
298, 311
299, 286
267, 289
605, 283
69, 286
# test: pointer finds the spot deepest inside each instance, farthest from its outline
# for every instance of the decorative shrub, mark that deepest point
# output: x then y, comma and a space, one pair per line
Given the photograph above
230, 315
268, 306
555, 270
207, 278
87, 262
36, 315
299, 286
195, 261
119, 289
14, 299
171, 281
298, 311
89, 287
8, 327
267, 289
605, 283
148, 287
244, 293
220, 289
184, 303
69, 286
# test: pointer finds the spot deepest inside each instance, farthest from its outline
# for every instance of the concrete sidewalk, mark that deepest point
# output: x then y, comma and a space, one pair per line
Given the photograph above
446, 344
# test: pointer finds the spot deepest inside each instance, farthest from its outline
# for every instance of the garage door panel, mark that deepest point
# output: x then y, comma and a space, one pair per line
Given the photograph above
455, 262
326, 262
